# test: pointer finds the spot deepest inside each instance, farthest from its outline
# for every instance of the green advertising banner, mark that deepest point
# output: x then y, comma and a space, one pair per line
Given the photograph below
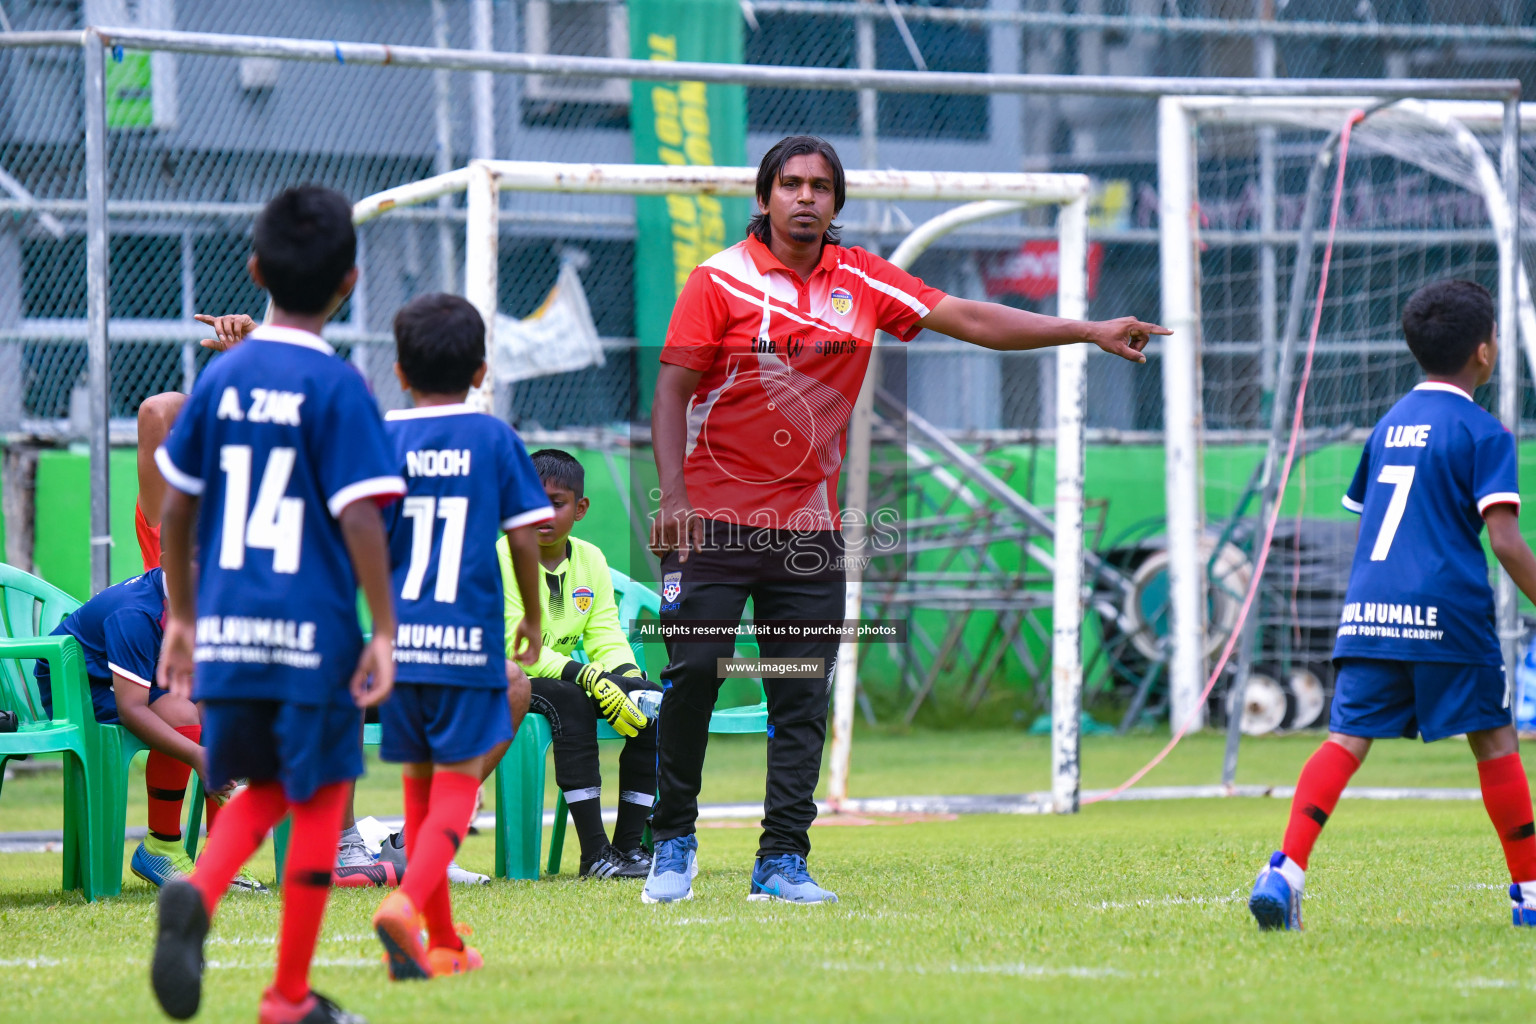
682, 123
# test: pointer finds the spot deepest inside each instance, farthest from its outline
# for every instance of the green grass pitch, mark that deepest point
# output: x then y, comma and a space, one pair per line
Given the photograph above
1131, 911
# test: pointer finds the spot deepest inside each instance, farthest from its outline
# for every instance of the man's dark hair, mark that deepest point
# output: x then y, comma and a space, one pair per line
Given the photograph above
440, 343
561, 469
305, 244
768, 175
1444, 323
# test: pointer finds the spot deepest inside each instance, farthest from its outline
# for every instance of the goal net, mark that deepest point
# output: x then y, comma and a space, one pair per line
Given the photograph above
1422, 201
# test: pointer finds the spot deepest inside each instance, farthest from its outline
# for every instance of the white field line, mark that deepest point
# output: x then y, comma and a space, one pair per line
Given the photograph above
1007, 970
1235, 896
1498, 983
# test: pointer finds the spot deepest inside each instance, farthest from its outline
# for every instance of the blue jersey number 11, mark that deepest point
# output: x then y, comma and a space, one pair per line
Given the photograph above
420, 511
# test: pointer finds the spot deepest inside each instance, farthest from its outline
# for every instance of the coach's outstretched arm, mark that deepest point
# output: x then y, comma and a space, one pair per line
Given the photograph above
1005, 329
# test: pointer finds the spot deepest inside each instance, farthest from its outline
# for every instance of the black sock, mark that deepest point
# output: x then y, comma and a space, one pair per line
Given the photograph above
587, 817
631, 825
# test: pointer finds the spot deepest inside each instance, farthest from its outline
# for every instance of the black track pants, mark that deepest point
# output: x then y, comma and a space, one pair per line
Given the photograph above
788, 576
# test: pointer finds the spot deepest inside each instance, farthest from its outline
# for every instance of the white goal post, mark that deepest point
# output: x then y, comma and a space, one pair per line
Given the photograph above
983, 195
1443, 138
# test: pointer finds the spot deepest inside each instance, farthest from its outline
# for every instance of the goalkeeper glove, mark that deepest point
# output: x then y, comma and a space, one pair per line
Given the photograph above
612, 702
629, 671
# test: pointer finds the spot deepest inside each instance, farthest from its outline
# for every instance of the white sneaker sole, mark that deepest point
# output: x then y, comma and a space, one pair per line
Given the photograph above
646, 897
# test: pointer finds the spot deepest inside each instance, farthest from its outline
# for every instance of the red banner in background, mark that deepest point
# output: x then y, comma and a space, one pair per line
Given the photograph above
1031, 270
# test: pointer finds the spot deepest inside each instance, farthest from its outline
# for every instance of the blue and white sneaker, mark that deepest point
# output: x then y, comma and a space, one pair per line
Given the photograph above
1276, 900
159, 861
784, 878
1524, 899
674, 866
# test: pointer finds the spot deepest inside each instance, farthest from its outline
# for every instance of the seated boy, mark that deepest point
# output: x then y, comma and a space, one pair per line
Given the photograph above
119, 631
468, 480
578, 608
1417, 649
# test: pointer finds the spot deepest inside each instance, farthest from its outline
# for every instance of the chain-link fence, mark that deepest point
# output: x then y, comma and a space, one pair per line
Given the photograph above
197, 142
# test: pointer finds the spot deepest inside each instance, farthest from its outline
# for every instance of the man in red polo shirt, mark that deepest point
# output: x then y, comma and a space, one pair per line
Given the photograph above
764, 358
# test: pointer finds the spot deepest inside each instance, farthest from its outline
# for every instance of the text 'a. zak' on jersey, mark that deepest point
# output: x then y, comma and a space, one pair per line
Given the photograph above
278, 437
468, 479
1418, 585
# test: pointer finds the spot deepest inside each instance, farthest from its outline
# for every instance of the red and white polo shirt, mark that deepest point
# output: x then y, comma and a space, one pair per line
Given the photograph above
782, 361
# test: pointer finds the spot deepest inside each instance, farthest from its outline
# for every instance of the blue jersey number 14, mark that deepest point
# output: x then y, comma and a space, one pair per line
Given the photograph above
276, 524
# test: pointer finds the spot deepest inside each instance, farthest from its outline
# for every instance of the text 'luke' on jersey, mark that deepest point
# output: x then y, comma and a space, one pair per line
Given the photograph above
468, 477
1418, 587
278, 437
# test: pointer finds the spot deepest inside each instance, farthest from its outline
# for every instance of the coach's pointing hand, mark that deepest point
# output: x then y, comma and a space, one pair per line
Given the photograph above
1125, 336
228, 330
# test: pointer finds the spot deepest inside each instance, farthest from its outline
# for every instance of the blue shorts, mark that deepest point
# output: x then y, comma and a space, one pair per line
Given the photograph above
103, 700
302, 746
1378, 699
429, 722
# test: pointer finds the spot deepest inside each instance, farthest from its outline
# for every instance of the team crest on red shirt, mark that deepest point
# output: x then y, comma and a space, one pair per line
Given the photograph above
842, 301
581, 597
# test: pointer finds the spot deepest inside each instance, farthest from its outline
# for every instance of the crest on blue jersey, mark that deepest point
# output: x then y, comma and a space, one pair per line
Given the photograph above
672, 586
581, 597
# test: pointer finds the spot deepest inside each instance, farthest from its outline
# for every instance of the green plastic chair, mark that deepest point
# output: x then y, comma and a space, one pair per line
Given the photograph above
520, 792
31, 609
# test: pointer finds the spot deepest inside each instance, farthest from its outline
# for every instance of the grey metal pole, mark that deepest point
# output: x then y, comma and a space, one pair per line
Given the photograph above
869, 99
442, 83
1508, 607
96, 280
1264, 67
948, 82
483, 26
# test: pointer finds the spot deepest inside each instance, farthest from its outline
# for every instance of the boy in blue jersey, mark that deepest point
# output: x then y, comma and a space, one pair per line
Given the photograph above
281, 448
119, 633
1417, 652
468, 480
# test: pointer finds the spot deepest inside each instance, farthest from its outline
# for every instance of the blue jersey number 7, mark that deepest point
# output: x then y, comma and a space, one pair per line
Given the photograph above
1401, 479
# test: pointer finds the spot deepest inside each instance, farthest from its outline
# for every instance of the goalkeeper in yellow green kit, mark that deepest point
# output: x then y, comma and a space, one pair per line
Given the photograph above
579, 608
